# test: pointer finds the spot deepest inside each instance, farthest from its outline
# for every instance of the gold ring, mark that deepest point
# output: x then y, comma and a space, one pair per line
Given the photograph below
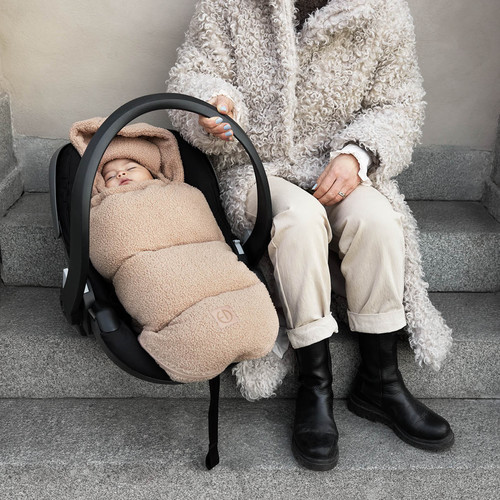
340, 193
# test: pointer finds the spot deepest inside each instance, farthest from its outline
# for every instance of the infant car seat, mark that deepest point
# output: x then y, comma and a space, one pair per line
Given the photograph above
88, 300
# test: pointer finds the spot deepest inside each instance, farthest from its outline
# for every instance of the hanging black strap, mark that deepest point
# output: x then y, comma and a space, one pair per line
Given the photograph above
213, 423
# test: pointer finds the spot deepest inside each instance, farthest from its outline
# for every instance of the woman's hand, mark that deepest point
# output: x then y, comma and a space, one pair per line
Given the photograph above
340, 176
215, 125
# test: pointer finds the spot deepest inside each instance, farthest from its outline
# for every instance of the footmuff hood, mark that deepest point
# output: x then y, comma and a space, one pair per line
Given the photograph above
153, 147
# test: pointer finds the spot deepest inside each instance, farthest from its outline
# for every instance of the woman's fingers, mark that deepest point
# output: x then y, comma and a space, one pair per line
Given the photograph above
330, 196
325, 182
224, 105
215, 125
328, 189
338, 180
338, 192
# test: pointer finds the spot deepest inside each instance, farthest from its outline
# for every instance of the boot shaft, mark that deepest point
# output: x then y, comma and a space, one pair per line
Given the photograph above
315, 365
378, 371
314, 404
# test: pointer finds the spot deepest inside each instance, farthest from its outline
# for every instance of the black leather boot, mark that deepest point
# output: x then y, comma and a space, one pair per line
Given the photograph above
379, 394
315, 434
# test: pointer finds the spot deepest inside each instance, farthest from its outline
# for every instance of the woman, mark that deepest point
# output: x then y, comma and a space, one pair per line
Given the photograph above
326, 90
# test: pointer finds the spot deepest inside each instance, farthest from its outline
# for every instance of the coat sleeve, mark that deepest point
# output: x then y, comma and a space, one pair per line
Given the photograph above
389, 122
205, 67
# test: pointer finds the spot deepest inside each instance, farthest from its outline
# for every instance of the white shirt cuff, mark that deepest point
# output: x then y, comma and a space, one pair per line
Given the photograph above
363, 158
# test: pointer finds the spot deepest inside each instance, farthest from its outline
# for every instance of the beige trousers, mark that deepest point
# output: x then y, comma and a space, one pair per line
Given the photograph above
366, 234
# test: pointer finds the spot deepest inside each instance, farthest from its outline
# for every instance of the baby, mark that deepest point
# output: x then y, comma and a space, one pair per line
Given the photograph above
155, 237
123, 171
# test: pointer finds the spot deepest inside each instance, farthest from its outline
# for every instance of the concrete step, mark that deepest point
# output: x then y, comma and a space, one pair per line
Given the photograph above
491, 198
437, 173
155, 448
460, 245
11, 183
43, 357
33, 155
7, 159
446, 173
31, 255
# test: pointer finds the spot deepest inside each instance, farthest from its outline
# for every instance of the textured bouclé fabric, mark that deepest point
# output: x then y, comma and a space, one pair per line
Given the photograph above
349, 76
305, 8
158, 241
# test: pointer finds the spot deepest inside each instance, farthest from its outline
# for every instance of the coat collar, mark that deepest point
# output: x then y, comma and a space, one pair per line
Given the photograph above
334, 16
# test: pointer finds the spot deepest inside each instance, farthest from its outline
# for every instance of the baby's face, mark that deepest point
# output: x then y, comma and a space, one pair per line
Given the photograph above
123, 171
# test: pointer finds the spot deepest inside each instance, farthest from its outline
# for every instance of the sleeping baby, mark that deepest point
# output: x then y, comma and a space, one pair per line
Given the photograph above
122, 171
156, 239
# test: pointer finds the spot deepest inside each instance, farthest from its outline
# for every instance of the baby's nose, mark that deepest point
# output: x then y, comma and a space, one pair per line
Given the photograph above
121, 174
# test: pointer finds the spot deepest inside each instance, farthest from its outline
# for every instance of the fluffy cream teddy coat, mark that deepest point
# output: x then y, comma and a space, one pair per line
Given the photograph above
350, 75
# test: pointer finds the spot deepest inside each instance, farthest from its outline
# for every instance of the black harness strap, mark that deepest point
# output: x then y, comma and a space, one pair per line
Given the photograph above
213, 423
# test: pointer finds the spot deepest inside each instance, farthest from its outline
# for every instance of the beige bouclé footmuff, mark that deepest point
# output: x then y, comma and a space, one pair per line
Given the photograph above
200, 308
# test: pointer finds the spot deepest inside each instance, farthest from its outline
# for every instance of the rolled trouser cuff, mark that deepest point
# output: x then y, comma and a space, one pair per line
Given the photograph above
313, 332
377, 323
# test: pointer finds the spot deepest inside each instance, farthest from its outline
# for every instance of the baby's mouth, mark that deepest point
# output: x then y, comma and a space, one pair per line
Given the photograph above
124, 181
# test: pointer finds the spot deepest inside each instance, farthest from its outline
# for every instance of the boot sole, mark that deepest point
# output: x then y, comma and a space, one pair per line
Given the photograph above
317, 465
366, 410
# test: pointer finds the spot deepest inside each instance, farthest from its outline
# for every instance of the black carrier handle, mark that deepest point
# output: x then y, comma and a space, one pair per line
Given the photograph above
254, 247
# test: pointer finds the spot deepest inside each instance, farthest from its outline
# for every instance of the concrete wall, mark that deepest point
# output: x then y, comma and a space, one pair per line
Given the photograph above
64, 61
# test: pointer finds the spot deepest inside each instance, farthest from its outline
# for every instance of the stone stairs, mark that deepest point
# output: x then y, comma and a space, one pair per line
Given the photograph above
460, 245
152, 449
73, 425
43, 356
11, 184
